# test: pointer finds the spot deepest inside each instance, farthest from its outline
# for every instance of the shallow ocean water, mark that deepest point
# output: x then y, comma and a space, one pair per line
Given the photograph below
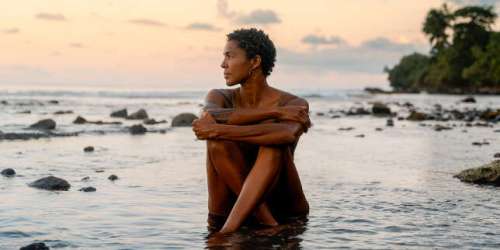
391, 189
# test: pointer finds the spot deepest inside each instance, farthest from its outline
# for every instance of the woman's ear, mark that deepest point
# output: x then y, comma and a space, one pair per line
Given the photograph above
256, 61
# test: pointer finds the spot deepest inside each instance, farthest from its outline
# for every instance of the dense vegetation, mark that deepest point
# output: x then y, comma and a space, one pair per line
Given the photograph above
465, 54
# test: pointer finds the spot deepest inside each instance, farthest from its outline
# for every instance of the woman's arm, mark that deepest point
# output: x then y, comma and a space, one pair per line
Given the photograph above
214, 104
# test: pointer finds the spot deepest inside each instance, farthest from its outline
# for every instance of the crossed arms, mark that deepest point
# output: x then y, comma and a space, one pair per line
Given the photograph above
262, 126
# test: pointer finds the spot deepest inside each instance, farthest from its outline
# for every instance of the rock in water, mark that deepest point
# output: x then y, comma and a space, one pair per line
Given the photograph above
113, 177
51, 183
88, 149
46, 124
137, 129
497, 155
141, 114
80, 120
88, 189
390, 123
469, 99
151, 121
8, 172
380, 109
488, 174
122, 113
35, 246
183, 120
416, 116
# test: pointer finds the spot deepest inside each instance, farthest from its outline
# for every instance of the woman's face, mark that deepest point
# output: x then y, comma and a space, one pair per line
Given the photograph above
236, 65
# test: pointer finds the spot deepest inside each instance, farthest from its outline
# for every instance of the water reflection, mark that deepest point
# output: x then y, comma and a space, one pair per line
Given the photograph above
285, 236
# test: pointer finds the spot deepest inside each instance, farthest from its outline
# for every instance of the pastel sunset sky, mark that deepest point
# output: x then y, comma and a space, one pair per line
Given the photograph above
178, 44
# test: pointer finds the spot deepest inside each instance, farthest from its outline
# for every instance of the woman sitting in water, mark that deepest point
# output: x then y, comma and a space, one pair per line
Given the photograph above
251, 134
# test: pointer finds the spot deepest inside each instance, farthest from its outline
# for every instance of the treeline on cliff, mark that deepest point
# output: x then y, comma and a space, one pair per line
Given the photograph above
464, 56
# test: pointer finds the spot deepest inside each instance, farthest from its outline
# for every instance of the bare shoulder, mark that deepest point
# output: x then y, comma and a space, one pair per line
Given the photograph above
289, 99
220, 98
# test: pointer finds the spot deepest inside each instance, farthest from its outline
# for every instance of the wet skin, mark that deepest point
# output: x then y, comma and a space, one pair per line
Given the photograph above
240, 187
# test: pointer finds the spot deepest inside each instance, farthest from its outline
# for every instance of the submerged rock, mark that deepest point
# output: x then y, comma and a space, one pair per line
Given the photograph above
122, 113
469, 99
151, 121
141, 114
35, 246
488, 174
87, 189
137, 129
183, 120
80, 120
113, 177
86, 178
346, 129
381, 109
8, 172
45, 124
390, 123
439, 127
357, 111
88, 149
63, 112
497, 155
417, 116
51, 183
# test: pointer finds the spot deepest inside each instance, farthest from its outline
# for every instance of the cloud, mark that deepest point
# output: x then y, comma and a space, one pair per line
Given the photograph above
11, 31
147, 22
202, 26
50, 17
76, 45
259, 16
223, 9
369, 57
322, 40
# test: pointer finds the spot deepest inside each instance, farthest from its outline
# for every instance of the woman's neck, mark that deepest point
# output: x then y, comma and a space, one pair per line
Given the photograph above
252, 90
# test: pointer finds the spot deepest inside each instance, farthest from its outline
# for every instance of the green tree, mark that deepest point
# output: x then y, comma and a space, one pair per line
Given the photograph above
407, 74
436, 24
486, 68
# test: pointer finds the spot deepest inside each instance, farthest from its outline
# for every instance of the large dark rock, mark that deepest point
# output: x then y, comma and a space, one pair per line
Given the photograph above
8, 172
35, 246
122, 113
137, 129
183, 120
141, 114
45, 124
380, 109
51, 183
488, 174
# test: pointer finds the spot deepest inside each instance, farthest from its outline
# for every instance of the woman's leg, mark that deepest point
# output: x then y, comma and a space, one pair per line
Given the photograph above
258, 182
226, 172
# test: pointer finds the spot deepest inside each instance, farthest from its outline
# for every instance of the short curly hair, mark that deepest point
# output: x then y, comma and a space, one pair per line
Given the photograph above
256, 42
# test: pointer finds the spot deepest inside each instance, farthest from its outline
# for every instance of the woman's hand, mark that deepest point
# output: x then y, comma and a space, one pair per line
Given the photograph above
205, 127
294, 113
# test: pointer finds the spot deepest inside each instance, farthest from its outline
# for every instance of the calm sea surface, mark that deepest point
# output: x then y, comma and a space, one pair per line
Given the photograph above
389, 189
